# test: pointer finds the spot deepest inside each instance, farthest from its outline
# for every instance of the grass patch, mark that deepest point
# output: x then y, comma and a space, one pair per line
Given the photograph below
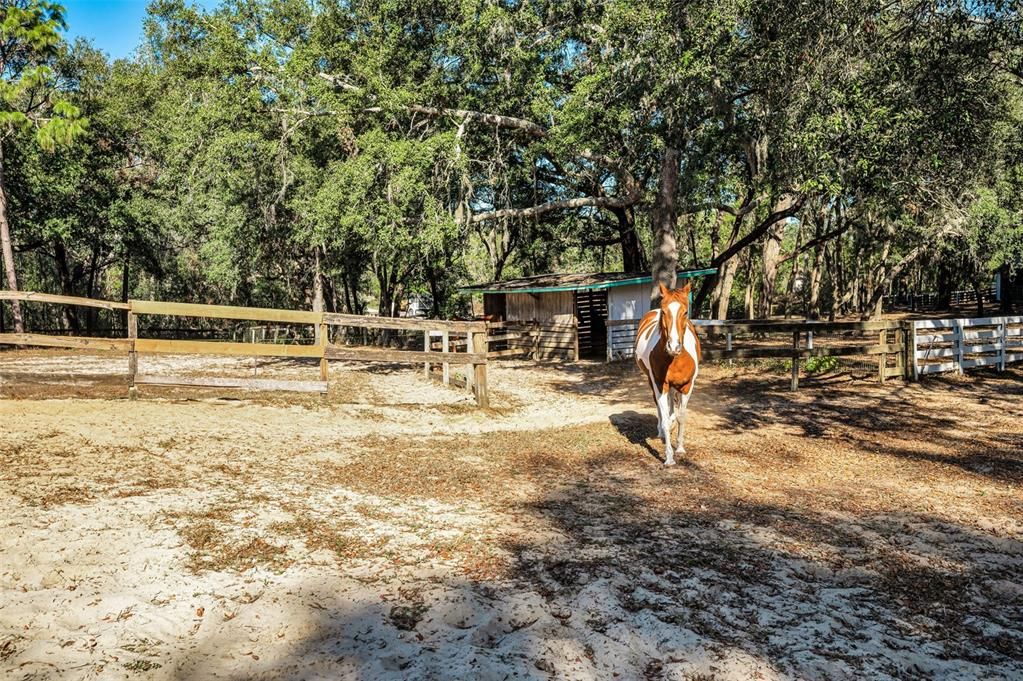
142, 665
63, 496
341, 538
212, 546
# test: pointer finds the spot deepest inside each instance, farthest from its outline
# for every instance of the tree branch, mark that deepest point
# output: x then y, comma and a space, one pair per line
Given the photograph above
580, 202
758, 231
828, 236
633, 192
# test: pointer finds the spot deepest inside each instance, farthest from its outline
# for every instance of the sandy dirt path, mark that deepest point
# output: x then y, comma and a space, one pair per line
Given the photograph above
393, 531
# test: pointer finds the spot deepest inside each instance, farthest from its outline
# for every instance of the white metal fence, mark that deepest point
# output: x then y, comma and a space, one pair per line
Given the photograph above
958, 344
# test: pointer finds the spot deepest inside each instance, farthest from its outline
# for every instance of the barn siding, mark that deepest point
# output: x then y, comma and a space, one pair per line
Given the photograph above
628, 302
543, 307
550, 309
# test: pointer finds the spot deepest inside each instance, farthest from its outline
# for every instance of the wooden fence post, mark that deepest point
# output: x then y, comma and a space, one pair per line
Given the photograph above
324, 364
882, 358
133, 357
479, 345
444, 339
795, 361
900, 356
427, 341
470, 370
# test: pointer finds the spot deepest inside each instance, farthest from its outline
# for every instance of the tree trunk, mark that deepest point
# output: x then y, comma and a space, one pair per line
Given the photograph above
66, 286
946, 281
633, 258
317, 281
8, 249
665, 215
877, 297
435, 293
856, 285
770, 258
813, 310
750, 298
722, 295
330, 296
90, 292
790, 289
750, 287
836, 282
124, 288
385, 302
347, 302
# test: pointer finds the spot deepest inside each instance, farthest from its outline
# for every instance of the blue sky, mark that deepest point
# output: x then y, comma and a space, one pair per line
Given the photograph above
114, 26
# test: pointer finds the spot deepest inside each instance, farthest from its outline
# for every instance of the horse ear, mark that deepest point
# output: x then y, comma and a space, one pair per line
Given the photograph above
664, 289
687, 288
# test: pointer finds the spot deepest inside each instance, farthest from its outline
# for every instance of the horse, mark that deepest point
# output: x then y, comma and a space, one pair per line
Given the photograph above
668, 352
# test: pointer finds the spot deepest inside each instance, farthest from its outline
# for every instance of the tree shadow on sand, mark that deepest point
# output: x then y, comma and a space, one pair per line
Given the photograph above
817, 595
630, 570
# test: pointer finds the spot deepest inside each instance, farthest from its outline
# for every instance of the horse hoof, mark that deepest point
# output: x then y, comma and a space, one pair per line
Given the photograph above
669, 463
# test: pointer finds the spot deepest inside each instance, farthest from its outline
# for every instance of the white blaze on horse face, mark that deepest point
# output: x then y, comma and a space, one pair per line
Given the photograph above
674, 343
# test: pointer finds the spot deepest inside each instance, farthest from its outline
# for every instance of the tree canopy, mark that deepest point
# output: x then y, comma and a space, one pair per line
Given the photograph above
824, 157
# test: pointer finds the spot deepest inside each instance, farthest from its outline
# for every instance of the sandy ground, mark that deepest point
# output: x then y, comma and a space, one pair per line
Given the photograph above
393, 531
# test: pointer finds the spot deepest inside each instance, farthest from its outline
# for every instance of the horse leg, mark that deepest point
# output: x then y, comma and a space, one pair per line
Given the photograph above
681, 448
664, 414
683, 412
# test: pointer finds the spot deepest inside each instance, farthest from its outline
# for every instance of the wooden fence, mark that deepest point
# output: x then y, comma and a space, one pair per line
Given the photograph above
941, 345
536, 340
905, 349
320, 348
803, 340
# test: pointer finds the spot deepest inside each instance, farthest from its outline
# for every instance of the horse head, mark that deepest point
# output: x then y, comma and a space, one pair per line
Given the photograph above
674, 312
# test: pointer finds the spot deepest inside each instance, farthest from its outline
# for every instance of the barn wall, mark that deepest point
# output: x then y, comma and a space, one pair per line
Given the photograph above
556, 313
628, 302
543, 307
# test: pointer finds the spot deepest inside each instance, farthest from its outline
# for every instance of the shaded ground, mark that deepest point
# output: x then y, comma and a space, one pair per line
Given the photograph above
394, 531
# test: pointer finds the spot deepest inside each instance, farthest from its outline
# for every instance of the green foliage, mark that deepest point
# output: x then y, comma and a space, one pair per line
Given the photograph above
401, 147
821, 365
29, 98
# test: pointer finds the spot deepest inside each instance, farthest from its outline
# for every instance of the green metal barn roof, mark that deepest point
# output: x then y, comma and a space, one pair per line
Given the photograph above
589, 281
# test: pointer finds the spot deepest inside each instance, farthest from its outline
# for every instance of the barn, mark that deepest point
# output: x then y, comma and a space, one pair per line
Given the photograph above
577, 314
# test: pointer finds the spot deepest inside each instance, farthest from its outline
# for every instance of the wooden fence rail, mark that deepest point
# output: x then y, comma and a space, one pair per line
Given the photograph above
621, 335
533, 339
62, 300
321, 348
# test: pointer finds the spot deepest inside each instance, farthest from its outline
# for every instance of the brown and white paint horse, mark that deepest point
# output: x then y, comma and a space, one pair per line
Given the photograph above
668, 352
